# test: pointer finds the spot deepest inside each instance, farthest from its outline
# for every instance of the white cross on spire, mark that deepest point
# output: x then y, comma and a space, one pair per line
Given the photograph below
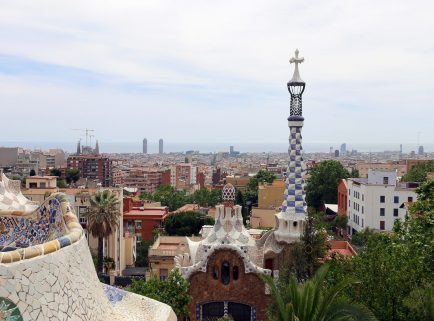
296, 60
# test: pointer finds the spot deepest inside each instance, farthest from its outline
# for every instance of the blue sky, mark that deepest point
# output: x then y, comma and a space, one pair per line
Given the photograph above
216, 71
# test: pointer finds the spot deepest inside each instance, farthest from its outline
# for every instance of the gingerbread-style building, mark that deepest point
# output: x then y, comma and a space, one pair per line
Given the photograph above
224, 270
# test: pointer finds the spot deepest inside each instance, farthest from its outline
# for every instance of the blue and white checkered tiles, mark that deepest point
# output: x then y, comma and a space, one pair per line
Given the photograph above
294, 202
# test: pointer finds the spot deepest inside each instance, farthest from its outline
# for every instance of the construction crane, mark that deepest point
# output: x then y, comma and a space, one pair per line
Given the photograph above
86, 130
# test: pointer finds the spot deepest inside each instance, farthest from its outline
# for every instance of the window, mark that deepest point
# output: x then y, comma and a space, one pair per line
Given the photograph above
163, 274
33, 185
138, 225
396, 199
363, 222
215, 273
349, 192
410, 199
385, 180
226, 273
363, 197
382, 199
382, 211
382, 225
235, 273
363, 209
395, 212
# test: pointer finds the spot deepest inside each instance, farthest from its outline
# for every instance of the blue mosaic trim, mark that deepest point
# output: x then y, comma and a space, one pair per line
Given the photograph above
22, 232
114, 295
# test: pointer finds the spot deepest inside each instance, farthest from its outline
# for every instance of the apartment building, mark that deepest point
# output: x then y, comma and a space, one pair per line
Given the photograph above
375, 201
94, 167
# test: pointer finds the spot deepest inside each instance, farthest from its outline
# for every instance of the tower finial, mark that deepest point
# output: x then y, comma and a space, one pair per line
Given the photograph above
296, 60
296, 88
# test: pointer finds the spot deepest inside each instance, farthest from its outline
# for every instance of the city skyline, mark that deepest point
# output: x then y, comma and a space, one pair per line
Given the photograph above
93, 64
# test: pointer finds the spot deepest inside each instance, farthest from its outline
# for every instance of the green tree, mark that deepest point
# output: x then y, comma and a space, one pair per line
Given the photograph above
322, 185
186, 223
170, 197
56, 172
304, 257
313, 301
173, 291
61, 183
418, 173
142, 253
72, 175
205, 197
102, 219
395, 267
354, 173
251, 191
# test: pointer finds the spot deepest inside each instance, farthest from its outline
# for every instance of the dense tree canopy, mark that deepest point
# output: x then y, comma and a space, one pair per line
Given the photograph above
418, 173
174, 199
72, 175
173, 291
186, 223
205, 197
323, 183
396, 268
313, 301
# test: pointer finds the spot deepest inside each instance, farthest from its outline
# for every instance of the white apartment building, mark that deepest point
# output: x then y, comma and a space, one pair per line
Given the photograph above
376, 202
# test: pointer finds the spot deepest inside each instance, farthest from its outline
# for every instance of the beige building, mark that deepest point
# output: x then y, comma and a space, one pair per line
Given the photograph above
270, 195
364, 167
162, 253
49, 182
121, 246
269, 202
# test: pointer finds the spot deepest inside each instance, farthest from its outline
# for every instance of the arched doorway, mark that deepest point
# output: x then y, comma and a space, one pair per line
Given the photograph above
213, 310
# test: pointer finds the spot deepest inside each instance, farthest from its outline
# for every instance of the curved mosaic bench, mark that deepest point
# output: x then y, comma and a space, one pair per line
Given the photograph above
51, 227
47, 272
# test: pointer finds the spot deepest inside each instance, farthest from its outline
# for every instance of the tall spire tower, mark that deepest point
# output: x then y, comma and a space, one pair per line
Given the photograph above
291, 219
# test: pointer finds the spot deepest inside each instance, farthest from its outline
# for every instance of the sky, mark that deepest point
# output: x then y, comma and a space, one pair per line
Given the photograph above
216, 71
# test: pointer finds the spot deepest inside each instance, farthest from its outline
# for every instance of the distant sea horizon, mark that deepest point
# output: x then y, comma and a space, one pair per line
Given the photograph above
136, 147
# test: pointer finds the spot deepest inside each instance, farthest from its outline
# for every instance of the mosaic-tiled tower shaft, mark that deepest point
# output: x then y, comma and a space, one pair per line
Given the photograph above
290, 220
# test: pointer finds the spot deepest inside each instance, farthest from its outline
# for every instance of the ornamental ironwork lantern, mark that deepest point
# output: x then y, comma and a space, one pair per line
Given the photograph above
296, 88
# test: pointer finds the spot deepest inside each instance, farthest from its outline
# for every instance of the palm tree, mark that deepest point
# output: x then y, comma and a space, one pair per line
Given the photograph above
311, 301
102, 219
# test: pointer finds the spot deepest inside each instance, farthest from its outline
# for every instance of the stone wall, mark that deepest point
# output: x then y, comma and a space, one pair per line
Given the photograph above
248, 289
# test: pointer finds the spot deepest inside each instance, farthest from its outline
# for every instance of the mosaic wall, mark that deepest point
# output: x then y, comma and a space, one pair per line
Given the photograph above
63, 285
47, 272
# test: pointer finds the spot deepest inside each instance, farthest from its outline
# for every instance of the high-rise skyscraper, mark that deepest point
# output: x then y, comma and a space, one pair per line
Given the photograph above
145, 146
160, 146
343, 148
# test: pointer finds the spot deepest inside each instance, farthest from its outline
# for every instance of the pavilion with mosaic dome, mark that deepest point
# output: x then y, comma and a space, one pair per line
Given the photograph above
224, 269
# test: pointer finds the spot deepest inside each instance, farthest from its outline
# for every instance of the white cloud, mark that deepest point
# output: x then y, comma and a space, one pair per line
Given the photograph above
209, 61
